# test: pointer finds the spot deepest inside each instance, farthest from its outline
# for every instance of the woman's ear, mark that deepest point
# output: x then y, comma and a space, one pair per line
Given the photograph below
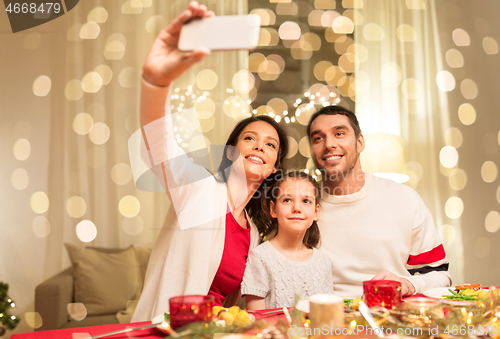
230, 153
277, 165
316, 213
272, 209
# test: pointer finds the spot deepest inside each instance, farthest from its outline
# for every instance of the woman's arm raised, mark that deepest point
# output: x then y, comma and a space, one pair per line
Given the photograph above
165, 62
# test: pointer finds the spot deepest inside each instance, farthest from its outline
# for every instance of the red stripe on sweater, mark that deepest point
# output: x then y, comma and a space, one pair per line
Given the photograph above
434, 255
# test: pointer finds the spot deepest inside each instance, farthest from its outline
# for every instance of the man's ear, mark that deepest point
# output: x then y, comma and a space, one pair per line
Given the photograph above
272, 208
360, 143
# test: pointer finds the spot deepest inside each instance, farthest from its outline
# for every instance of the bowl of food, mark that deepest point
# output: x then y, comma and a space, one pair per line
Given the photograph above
232, 316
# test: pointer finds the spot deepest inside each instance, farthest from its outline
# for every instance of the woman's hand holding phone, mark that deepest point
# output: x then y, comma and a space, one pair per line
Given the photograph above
165, 62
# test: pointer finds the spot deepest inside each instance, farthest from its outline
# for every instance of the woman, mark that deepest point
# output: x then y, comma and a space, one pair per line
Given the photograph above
208, 255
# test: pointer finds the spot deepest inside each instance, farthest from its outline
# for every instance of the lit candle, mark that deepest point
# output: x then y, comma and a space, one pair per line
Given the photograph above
352, 326
287, 315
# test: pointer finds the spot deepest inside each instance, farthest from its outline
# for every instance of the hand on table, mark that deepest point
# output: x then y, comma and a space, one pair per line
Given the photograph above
407, 287
165, 62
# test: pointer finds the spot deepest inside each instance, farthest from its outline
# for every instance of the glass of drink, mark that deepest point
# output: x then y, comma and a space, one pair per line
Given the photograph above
384, 293
187, 309
326, 312
417, 310
495, 300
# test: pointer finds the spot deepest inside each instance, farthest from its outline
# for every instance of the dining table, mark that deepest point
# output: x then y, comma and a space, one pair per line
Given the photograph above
271, 316
88, 332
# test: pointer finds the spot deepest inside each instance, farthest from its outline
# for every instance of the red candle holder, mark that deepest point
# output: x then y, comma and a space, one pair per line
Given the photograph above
384, 293
188, 309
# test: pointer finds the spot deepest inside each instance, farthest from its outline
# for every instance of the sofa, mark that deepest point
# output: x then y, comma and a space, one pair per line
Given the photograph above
101, 287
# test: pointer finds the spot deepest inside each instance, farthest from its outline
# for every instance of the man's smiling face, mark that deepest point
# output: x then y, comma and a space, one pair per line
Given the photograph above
334, 146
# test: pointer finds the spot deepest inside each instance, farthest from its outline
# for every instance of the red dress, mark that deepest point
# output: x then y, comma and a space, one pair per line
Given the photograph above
228, 278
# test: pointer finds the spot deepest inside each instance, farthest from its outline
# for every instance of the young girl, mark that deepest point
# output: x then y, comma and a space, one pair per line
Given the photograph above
289, 263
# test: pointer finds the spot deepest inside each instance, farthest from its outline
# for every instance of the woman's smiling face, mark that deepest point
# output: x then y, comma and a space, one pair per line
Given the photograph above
258, 144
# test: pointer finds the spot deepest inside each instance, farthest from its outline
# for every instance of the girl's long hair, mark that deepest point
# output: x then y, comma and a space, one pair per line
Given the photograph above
253, 207
312, 236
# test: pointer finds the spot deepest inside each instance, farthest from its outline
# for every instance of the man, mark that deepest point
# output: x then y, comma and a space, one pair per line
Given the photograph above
371, 228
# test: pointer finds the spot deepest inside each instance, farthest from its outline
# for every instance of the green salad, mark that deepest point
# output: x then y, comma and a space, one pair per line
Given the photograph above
466, 294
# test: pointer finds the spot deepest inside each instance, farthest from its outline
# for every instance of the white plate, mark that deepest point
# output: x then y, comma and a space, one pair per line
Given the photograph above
437, 292
303, 305
158, 319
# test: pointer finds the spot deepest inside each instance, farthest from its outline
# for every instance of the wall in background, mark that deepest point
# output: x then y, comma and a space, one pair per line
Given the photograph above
470, 38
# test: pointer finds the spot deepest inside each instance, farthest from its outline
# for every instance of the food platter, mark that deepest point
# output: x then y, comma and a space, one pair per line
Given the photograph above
442, 292
437, 292
160, 318
219, 322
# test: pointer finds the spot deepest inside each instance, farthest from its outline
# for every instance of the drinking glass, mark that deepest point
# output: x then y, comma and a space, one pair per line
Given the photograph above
326, 309
384, 293
187, 309
417, 310
495, 300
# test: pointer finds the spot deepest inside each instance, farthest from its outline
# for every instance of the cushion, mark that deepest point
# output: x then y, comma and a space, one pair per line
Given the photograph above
105, 280
142, 255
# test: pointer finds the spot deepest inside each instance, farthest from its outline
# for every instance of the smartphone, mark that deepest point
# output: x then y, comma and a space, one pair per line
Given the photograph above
230, 32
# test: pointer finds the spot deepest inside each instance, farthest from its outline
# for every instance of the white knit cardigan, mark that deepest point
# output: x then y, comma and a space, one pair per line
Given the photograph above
182, 261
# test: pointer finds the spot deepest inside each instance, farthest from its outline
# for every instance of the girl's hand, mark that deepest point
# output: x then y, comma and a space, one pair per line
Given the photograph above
165, 62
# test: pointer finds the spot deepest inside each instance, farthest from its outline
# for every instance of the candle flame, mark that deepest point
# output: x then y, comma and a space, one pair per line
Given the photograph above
287, 315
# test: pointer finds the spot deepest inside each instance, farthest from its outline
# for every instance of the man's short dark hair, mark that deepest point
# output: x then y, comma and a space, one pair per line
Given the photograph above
335, 110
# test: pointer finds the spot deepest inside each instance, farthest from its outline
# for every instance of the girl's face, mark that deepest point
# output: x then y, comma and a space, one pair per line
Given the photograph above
295, 206
258, 144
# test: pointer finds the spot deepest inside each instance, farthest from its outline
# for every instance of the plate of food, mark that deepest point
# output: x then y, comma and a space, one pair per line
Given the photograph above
462, 294
232, 316
223, 317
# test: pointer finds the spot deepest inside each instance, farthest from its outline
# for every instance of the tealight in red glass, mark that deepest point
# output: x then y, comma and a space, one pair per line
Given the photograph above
187, 309
384, 293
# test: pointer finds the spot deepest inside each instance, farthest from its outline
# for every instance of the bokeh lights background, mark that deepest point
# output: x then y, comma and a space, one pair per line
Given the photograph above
69, 102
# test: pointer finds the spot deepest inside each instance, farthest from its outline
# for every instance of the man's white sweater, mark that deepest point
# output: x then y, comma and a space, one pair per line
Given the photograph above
384, 226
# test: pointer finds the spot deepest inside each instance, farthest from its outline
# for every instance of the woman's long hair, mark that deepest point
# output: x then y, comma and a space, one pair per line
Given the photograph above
312, 236
253, 207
